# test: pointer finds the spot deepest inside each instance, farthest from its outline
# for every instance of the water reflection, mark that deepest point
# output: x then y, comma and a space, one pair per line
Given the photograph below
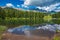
25, 29
22, 30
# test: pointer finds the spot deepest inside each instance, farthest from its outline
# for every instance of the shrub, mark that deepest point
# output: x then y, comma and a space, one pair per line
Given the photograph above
2, 28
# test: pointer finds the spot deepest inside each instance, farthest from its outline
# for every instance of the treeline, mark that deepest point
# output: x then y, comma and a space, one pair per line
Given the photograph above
56, 17
10, 16
13, 17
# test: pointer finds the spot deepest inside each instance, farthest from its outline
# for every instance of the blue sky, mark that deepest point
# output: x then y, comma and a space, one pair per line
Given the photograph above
29, 2
13, 2
32, 4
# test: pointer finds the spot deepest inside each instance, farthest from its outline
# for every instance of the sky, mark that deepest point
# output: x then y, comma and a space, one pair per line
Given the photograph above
11, 2
32, 4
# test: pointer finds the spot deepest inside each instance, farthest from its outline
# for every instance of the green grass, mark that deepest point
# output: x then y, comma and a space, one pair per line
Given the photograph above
2, 29
57, 38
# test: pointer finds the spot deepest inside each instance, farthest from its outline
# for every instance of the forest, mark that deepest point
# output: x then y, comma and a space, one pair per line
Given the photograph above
11, 17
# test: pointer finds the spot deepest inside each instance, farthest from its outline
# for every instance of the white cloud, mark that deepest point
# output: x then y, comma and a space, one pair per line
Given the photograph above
50, 8
24, 6
57, 10
18, 5
58, 7
53, 6
9, 5
36, 2
27, 2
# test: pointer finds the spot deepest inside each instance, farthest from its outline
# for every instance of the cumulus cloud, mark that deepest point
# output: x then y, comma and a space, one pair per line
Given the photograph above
50, 8
9, 5
53, 6
38, 2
